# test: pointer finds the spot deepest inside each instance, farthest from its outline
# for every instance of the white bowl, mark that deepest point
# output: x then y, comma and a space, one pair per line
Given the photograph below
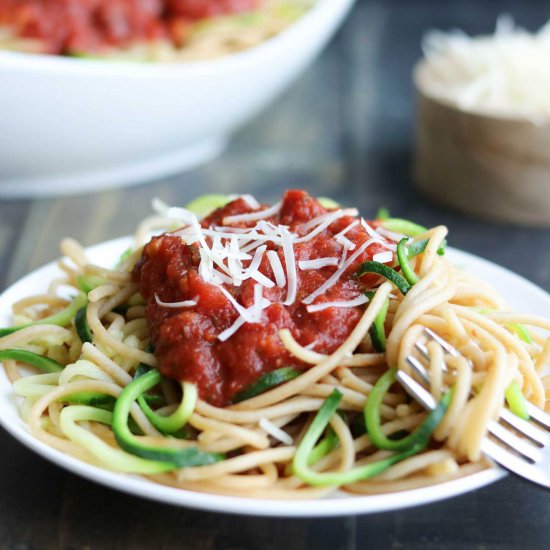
71, 125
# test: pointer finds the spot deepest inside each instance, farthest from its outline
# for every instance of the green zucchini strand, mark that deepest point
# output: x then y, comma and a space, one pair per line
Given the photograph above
420, 437
516, 400
61, 318
178, 457
39, 361
377, 330
385, 271
81, 325
301, 459
266, 382
403, 258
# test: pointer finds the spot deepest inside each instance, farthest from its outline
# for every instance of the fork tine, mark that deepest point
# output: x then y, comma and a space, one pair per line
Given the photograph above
445, 345
416, 390
421, 347
419, 368
523, 451
539, 415
516, 443
514, 463
526, 428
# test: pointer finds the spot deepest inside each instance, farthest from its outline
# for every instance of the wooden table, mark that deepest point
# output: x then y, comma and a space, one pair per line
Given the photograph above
344, 129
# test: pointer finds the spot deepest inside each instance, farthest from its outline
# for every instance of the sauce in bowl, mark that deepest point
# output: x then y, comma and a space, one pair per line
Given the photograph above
75, 26
143, 30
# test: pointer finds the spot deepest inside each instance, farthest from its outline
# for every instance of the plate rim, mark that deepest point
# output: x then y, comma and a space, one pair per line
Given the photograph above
340, 504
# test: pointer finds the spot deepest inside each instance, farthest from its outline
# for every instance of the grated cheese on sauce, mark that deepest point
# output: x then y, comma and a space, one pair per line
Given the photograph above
318, 263
231, 255
359, 301
383, 257
184, 303
277, 268
337, 274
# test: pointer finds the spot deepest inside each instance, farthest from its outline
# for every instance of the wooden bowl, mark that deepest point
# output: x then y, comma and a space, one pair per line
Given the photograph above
485, 164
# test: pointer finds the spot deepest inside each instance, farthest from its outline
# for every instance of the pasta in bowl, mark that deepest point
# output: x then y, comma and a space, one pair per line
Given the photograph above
157, 31
142, 111
286, 390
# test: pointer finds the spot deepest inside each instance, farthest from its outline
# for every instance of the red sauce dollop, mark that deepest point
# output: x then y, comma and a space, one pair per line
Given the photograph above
186, 339
88, 26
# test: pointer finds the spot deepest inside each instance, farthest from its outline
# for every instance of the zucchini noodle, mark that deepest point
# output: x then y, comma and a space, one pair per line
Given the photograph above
109, 406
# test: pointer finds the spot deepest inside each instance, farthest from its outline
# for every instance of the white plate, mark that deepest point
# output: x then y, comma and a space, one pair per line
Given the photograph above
521, 295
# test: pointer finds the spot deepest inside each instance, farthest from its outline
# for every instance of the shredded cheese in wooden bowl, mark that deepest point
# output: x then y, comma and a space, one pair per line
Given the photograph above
506, 73
483, 122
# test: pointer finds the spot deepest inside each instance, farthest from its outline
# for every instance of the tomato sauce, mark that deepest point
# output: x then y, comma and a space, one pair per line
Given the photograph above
89, 26
186, 339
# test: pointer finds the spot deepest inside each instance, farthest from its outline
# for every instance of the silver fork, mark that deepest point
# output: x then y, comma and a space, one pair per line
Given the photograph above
525, 453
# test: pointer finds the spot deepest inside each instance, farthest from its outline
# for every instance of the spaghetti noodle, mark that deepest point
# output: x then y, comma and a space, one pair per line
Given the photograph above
324, 420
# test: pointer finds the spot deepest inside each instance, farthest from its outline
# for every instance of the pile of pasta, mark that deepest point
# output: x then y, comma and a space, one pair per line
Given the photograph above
109, 406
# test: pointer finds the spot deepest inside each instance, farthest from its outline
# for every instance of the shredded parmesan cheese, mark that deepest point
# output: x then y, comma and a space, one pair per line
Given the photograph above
175, 213
383, 257
291, 275
252, 216
344, 231
322, 222
318, 263
246, 313
311, 345
360, 300
506, 73
274, 431
256, 261
231, 255
251, 201
184, 303
345, 242
262, 279
377, 236
277, 268
390, 234
228, 332
331, 281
